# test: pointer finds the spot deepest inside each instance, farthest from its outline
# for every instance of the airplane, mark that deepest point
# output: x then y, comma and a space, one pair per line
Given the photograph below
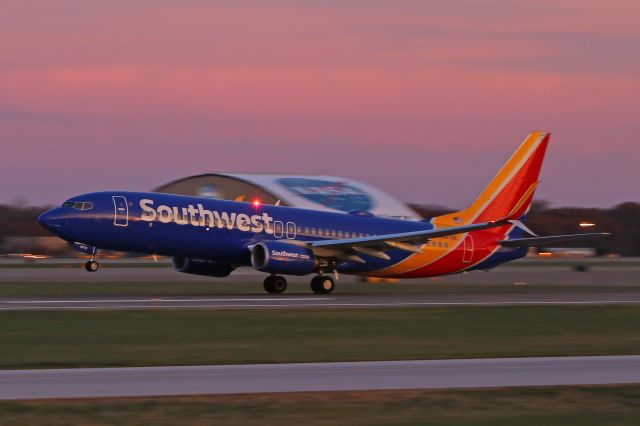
212, 237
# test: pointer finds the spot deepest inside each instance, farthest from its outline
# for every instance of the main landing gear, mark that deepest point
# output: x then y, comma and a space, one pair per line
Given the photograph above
275, 284
320, 284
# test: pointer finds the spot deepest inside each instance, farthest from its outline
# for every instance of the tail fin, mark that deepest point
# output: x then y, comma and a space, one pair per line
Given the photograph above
510, 193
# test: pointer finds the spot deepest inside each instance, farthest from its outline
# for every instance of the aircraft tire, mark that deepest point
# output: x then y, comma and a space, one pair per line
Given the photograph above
275, 284
322, 284
268, 284
279, 284
91, 266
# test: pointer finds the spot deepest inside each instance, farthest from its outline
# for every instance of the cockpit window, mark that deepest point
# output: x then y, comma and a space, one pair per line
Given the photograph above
78, 205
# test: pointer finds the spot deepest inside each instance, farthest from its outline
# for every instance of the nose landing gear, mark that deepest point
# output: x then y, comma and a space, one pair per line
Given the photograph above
92, 265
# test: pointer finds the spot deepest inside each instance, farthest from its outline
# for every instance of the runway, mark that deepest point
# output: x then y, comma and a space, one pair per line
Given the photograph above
340, 376
74, 272
264, 301
38, 289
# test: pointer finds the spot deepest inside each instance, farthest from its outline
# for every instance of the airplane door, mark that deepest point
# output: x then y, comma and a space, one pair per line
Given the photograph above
291, 230
121, 211
278, 229
467, 250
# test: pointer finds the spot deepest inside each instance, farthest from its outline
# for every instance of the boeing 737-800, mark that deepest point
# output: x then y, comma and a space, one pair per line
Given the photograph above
213, 237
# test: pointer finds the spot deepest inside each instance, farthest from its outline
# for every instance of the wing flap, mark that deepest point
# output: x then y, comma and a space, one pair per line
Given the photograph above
415, 237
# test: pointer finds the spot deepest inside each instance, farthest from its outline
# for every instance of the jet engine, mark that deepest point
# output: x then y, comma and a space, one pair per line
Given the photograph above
278, 257
205, 267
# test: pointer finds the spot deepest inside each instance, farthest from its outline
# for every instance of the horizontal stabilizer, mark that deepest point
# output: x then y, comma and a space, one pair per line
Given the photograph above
543, 241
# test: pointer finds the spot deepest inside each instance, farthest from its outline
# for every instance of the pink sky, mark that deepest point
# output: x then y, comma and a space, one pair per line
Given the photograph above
424, 99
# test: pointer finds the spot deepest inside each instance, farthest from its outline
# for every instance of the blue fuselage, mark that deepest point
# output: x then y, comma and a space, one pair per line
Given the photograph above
174, 225
225, 231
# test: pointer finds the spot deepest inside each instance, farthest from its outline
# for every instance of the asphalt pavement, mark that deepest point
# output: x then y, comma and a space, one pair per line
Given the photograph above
339, 376
504, 286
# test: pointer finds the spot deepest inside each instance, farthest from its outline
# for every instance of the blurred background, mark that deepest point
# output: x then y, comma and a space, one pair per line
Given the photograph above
423, 100
403, 107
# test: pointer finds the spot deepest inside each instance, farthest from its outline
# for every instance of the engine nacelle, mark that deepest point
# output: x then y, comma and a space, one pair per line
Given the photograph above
205, 267
282, 258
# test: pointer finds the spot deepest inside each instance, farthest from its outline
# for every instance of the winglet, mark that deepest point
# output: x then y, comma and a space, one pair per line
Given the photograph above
522, 226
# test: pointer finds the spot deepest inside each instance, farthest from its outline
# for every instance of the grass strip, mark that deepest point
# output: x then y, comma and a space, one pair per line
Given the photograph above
30, 339
570, 405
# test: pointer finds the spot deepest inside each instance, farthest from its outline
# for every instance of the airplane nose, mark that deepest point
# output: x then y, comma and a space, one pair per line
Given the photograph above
49, 220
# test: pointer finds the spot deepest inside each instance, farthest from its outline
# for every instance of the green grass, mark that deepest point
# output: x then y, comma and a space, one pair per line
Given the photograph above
190, 337
571, 405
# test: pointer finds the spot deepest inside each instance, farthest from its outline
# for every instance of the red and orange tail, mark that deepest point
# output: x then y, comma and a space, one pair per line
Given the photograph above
510, 193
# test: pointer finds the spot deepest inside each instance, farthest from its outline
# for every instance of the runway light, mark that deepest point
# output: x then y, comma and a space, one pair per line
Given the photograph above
587, 225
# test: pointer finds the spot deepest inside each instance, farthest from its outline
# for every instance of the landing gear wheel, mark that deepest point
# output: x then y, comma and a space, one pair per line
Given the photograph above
92, 266
322, 284
275, 284
267, 284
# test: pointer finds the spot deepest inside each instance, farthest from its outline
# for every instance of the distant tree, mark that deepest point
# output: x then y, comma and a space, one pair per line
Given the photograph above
627, 216
540, 205
22, 221
622, 221
428, 211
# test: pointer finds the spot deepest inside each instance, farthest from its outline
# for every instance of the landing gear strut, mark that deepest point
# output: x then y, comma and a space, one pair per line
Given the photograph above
322, 284
275, 284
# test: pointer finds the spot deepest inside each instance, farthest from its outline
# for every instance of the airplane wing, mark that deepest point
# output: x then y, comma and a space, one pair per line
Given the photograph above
543, 241
376, 245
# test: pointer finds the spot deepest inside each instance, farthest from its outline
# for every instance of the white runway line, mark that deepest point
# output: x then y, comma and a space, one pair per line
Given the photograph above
153, 300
